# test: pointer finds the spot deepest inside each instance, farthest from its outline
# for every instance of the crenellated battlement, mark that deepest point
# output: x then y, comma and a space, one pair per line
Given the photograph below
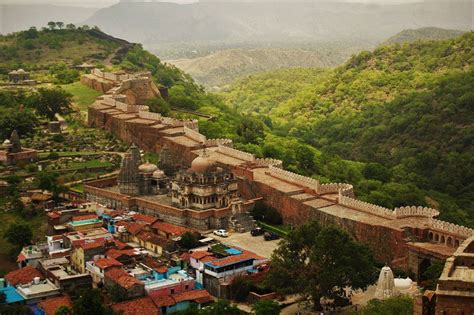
366, 207
404, 212
331, 188
291, 177
268, 162
451, 228
241, 155
217, 142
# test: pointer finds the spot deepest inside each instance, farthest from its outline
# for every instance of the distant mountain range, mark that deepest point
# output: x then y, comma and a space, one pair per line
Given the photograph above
261, 22
424, 33
222, 67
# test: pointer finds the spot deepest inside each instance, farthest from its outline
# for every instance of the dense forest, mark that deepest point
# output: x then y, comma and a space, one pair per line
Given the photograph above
405, 112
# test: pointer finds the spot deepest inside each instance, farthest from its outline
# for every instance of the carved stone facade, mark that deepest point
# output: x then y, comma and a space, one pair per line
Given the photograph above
11, 151
204, 185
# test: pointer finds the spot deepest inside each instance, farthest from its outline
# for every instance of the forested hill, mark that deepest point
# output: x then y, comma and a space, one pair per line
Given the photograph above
408, 108
424, 33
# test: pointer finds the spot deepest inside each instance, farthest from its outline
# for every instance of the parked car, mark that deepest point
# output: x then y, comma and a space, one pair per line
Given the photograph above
221, 233
269, 236
257, 231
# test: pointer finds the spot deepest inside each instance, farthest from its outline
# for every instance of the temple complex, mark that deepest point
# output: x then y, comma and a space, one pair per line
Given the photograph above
410, 237
11, 151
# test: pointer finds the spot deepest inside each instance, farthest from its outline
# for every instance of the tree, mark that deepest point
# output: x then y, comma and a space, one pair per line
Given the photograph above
48, 180
266, 308
48, 102
241, 288
70, 26
51, 25
188, 240
15, 309
90, 302
60, 25
159, 105
19, 234
432, 274
317, 262
117, 293
221, 307
63, 310
402, 305
251, 130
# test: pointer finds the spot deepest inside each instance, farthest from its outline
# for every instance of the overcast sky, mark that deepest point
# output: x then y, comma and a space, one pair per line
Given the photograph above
103, 3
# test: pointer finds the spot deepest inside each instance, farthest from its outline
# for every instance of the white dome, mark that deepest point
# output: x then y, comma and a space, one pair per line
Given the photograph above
403, 284
6, 142
158, 174
147, 168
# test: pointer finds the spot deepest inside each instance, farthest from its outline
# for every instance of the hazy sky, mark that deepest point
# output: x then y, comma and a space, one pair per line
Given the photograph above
103, 3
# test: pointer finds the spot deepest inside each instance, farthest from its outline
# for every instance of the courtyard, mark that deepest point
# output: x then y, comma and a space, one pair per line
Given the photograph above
246, 241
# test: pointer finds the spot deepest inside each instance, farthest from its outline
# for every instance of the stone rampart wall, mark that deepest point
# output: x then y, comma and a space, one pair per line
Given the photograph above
366, 207
268, 162
345, 189
451, 228
294, 178
217, 142
196, 136
413, 211
241, 155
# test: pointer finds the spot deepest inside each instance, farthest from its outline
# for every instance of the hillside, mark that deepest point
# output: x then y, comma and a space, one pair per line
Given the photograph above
222, 67
260, 22
406, 111
425, 33
33, 49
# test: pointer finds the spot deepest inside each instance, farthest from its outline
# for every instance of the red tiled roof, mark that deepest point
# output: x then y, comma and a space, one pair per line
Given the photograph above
121, 245
169, 228
156, 265
201, 295
232, 259
84, 217
185, 256
200, 254
160, 301
132, 227
54, 215
20, 257
90, 244
105, 263
207, 259
49, 306
152, 238
139, 217
122, 278
115, 253
139, 306
23, 275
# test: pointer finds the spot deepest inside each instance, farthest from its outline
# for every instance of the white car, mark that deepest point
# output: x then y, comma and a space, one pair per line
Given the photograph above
221, 233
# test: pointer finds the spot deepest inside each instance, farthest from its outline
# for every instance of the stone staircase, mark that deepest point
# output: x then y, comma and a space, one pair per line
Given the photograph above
242, 222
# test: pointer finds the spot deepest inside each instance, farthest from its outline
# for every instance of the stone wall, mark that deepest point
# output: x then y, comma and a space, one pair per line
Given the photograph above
294, 178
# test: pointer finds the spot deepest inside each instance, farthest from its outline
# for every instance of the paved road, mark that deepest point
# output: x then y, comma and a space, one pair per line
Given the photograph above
246, 241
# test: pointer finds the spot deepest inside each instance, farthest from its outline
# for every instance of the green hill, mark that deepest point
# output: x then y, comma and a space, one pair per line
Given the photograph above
405, 111
424, 33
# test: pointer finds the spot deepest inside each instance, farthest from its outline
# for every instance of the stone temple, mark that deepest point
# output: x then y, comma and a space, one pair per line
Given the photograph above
204, 196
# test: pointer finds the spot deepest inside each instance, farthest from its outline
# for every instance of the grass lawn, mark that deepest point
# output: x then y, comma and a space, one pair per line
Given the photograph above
83, 96
79, 188
68, 154
90, 164
279, 229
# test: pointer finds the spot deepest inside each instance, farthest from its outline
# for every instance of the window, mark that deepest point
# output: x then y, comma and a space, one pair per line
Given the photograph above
172, 291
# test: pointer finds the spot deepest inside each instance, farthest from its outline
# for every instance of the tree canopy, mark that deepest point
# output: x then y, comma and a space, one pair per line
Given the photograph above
320, 262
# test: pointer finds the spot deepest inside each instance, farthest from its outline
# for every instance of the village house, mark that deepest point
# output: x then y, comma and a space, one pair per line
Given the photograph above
60, 272
181, 301
83, 252
84, 222
140, 306
98, 267
49, 306
30, 255
133, 288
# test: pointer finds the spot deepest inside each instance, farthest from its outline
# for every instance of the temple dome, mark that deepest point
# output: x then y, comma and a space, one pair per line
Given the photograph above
385, 285
203, 164
147, 168
158, 174
403, 284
